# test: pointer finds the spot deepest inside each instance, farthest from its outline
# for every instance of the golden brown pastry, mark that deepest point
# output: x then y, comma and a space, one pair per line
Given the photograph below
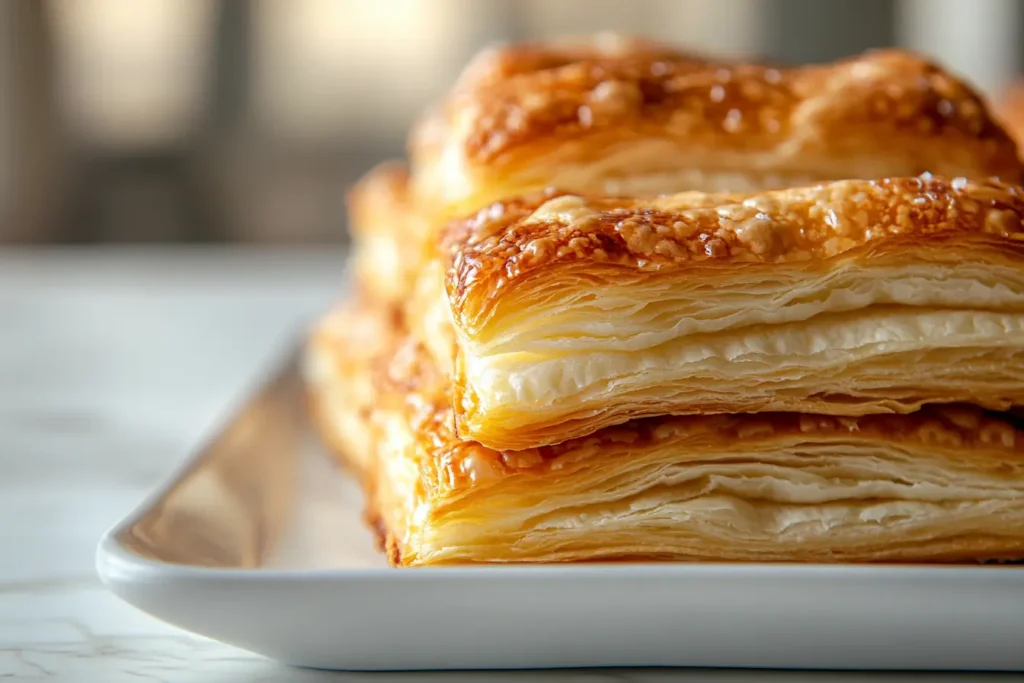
635, 118
571, 314
945, 484
627, 116
339, 361
604, 348
386, 231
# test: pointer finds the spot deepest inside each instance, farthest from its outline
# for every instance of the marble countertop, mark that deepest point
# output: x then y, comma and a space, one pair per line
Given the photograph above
113, 366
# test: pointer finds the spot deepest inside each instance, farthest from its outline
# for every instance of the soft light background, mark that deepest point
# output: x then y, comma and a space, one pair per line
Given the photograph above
235, 121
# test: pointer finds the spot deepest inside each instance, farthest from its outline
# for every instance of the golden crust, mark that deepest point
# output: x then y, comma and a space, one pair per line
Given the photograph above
622, 116
512, 68
389, 236
496, 65
341, 387
885, 112
372, 200
528, 94
817, 227
456, 480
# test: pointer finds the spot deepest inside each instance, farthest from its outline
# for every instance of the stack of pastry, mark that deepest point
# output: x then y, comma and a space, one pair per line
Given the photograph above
628, 303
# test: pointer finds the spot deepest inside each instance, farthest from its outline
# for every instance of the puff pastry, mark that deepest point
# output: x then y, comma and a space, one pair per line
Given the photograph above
339, 360
627, 116
569, 313
619, 116
943, 484
388, 235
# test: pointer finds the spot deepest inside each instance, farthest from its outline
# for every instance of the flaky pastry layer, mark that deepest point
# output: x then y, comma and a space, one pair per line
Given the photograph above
632, 117
343, 352
945, 484
390, 238
575, 313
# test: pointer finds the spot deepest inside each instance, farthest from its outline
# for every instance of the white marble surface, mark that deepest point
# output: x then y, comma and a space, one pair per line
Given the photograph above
113, 366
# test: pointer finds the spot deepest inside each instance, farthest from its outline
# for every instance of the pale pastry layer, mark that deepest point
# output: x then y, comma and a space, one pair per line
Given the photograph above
943, 484
853, 363
429, 316
644, 311
636, 168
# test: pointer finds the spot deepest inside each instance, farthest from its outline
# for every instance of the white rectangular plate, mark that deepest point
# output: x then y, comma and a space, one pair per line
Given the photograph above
258, 542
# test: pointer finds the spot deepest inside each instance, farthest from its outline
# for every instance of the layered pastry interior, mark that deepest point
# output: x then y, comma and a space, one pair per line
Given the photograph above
943, 484
629, 117
575, 313
555, 356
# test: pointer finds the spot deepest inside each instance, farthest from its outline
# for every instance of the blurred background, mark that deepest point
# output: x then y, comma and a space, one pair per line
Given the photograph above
203, 121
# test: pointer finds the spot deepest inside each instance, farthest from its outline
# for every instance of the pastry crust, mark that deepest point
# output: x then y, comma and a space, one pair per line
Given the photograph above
945, 484
573, 313
636, 118
389, 237
342, 354
586, 370
623, 116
